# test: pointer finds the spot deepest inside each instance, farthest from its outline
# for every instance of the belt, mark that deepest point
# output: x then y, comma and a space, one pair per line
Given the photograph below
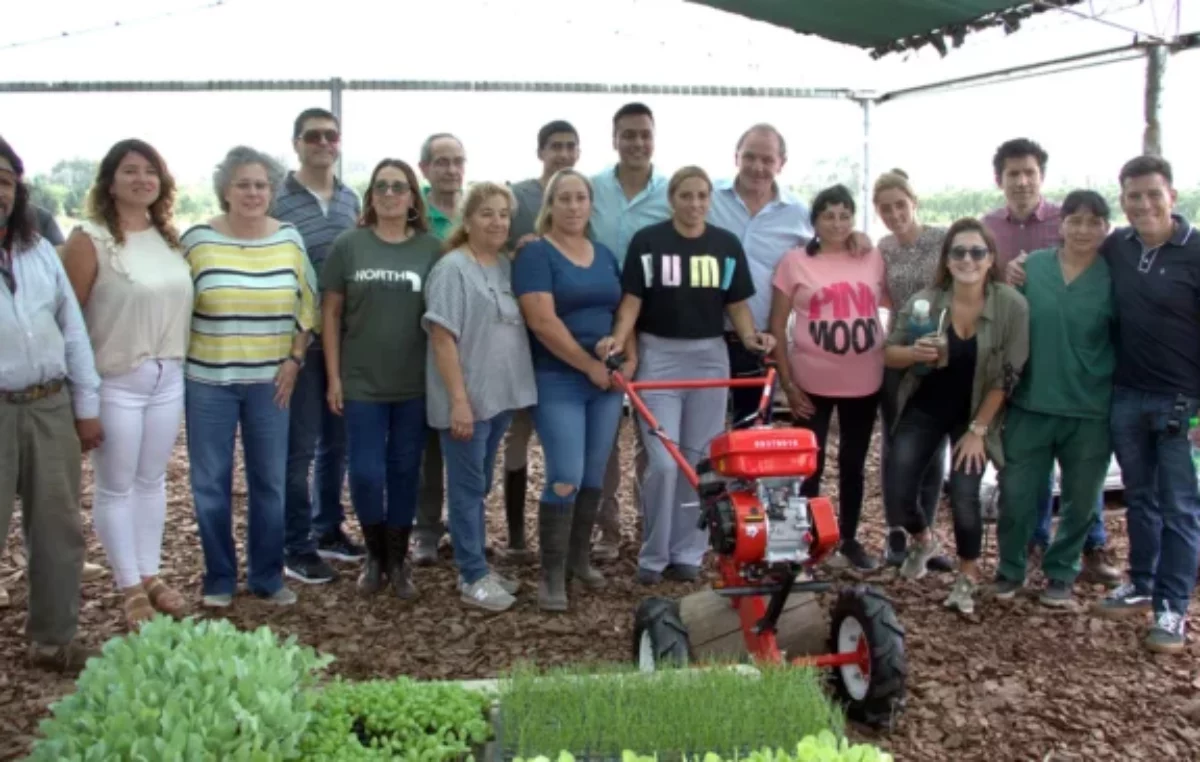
32, 393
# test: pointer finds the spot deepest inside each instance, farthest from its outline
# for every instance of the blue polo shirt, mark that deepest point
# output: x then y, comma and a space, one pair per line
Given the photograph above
615, 218
780, 226
1157, 292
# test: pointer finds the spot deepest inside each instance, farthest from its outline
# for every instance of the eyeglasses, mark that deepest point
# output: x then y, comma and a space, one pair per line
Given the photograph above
314, 137
977, 253
397, 187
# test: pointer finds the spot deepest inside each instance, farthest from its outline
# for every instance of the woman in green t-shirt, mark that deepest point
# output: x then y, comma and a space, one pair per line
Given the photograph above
372, 302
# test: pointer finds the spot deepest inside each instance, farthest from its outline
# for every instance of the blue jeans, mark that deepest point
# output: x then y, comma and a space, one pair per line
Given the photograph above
315, 430
213, 413
384, 442
576, 423
469, 466
1163, 513
1097, 537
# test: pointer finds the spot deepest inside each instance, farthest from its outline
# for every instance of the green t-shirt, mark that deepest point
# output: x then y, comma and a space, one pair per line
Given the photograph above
383, 343
439, 224
1071, 329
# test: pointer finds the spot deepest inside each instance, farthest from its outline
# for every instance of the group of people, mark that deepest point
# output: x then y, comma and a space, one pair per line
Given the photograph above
404, 341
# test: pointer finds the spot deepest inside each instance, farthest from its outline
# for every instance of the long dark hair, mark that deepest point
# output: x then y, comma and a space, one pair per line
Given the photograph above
417, 218
942, 277
21, 229
102, 207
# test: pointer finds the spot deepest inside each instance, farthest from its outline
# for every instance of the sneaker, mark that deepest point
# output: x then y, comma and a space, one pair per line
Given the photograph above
1097, 569
281, 597
648, 577
962, 595
681, 573
218, 600
488, 595
941, 564
510, 586
69, 659
424, 549
310, 569
340, 548
897, 547
1124, 601
857, 556
916, 560
1169, 633
1057, 595
1006, 589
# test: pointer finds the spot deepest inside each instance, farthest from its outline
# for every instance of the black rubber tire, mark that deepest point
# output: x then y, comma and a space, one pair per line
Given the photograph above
660, 619
887, 687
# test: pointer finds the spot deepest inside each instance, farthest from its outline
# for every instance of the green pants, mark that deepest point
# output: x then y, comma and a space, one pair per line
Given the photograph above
1032, 442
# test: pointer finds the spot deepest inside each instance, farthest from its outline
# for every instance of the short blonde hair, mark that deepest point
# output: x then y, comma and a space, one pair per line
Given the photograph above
475, 197
545, 219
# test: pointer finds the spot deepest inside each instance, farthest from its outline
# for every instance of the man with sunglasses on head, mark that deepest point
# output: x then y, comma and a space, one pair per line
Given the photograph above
321, 207
1028, 222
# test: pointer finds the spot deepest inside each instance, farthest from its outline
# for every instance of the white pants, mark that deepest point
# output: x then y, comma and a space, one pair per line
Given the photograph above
141, 412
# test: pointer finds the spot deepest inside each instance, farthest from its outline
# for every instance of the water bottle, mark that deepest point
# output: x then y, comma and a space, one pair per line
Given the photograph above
920, 323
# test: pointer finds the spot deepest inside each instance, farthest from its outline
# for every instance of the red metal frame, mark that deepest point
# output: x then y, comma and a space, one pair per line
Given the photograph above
752, 608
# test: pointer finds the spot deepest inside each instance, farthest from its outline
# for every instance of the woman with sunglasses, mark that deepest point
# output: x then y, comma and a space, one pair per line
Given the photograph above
371, 307
973, 363
833, 359
477, 375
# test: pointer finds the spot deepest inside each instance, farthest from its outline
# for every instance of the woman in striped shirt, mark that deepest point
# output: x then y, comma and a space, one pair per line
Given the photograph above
254, 307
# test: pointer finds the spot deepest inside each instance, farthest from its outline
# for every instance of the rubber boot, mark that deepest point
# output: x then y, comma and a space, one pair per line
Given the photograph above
554, 534
371, 580
515, 483
579, 549
399, 572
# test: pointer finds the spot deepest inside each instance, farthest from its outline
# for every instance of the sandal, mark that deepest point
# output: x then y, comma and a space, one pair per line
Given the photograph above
164, 598
137, 607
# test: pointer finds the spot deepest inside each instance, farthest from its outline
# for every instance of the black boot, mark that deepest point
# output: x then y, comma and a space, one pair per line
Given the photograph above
579, 551
515, 483
371, 580
398, 570
554, 534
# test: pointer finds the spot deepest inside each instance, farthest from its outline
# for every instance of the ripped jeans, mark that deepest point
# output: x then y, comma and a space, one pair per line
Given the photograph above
576, 423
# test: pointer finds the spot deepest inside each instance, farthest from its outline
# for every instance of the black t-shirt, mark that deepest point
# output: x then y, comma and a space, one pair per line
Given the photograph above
685, 283
1157, 293
946, 392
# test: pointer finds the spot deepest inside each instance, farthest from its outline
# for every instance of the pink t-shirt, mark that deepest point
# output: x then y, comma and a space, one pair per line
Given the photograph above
837, 340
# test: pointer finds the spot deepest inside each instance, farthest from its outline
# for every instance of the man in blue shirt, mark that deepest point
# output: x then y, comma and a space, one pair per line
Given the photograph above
627, 197
769, 221
49, 414
322, 208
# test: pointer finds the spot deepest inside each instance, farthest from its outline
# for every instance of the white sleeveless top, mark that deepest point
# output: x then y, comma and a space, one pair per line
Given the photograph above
140, 307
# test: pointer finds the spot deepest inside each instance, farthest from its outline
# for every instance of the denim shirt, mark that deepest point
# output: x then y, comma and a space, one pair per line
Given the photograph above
1002, 349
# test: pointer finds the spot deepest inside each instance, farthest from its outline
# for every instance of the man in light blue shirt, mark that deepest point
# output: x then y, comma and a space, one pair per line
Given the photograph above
625, 198
769, 221
49, 414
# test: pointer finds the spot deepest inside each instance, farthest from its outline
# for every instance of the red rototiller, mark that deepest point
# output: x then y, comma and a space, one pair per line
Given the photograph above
768, 539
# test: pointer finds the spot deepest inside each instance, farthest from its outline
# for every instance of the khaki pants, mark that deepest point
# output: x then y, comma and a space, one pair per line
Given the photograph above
40, 463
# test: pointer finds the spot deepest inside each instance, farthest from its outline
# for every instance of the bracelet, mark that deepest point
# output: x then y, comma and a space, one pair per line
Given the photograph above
297, 360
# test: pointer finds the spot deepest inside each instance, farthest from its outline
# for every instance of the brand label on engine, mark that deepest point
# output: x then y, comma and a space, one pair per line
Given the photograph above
776, 444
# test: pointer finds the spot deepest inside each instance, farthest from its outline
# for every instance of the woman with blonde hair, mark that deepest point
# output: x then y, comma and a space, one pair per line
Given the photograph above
681, 279
569, 288
477, 375
135, 289
910, 256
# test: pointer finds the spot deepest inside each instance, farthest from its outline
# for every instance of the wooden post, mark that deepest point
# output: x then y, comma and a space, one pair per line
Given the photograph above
1156, 66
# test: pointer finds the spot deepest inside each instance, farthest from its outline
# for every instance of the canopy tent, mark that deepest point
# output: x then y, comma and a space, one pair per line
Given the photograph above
886, 26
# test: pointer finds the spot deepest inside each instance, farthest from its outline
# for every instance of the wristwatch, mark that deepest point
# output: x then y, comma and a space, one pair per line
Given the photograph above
298, 360
978, 429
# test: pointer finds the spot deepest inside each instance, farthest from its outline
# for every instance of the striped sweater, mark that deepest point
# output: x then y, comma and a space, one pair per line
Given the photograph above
251, 297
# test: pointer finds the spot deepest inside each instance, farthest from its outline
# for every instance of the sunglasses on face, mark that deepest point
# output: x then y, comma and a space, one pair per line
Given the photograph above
977, 253
397, 187
314, 137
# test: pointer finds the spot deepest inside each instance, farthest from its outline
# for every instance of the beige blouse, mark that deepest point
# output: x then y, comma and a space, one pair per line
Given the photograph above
140, 307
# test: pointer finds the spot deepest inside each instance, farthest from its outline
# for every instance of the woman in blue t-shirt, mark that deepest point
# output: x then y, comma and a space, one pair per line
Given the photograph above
682, 278
569, 288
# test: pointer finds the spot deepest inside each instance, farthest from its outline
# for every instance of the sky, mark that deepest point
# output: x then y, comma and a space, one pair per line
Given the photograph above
1090, 121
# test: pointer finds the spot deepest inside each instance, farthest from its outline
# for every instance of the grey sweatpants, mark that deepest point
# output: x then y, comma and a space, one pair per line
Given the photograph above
691, 417
40, 463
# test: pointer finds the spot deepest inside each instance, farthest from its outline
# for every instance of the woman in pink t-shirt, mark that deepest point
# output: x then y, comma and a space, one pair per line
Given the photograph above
834, 358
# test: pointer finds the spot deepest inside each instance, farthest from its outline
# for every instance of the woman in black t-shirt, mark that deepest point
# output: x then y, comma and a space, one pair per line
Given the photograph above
681, 277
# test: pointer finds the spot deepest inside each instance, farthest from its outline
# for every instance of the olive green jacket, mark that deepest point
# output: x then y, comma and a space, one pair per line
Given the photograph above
1002, 348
